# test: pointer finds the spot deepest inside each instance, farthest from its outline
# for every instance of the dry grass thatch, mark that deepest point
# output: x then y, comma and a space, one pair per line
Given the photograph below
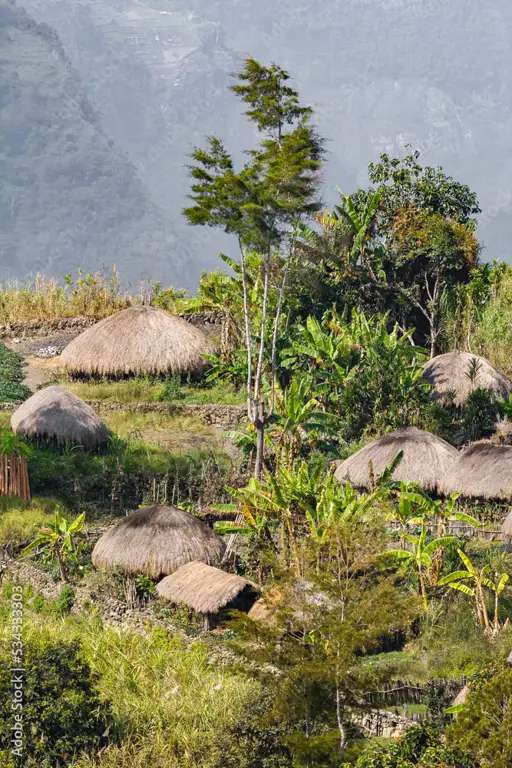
202, 588
157, 541
506, 526
448, 375
482, 471
461, 696
426, 459
54, 414
138, 341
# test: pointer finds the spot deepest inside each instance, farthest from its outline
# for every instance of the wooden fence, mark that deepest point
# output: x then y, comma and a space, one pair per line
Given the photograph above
14, 476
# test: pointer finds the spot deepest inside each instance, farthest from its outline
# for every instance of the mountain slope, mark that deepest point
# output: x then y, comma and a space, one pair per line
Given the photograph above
379, 73
68, 198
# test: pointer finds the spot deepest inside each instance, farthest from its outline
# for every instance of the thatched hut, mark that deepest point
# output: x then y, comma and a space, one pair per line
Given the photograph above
482, 471
461, 696
157, 541
139, 340
426, 459
55, 415
448, 374
207, 590
506, 526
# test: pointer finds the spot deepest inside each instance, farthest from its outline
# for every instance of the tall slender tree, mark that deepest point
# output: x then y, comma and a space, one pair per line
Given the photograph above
260, 205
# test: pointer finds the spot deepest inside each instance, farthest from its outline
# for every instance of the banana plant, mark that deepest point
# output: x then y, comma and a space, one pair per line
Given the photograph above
299, 418
59, 541
419, 557
460, 581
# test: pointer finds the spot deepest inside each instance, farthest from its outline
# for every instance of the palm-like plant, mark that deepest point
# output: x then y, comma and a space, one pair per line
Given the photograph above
419, 557
477, 578
299, 418
60, 542
295, 499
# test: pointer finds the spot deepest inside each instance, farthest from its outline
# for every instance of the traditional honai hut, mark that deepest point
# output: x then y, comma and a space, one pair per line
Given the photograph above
139, 340
482, 471
506, 526
55, 415
426, 458
207, 590
462, 696
448, 374
157, 541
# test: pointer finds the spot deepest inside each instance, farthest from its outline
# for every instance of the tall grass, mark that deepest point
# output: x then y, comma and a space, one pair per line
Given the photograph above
145, 389
95, 295
168, 700
492, 336
20, 520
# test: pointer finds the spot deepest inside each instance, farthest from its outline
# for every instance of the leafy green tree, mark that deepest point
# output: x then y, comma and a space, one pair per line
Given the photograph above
313, 653
259, 205
63, 713
484, 724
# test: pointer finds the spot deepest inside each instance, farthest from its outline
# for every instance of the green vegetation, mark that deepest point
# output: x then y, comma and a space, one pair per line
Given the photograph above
58, 690
144, 389
379, 598
12, 389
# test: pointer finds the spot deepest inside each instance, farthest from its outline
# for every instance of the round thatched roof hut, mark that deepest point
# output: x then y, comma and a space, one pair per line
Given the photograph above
482, 471
157, 541
205, 589
506, 526
56, 415
448, 374
426, 459
138, 341
462, 696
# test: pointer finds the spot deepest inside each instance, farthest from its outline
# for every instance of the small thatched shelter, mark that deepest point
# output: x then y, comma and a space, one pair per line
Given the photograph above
448, 374
140, 340
426, 459
207, 590
53, 414
506, 526
482, 471
157, 541
461, 696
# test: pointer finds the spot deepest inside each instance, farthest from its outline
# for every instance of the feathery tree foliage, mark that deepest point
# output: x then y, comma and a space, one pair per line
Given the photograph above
260, 204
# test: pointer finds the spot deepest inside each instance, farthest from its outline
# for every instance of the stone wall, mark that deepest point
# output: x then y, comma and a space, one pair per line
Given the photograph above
210, 414
209, 322
380, 722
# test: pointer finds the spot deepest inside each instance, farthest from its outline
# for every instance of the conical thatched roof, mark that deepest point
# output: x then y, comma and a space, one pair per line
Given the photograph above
481, 471
202, 588
461, 696
448, 374
157, 541
54, 414
139, 340
426, 459
506, 527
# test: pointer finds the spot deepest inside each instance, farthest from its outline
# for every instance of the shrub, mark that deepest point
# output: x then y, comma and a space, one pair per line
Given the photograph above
170, 390
62, 710
479, 415
66, 599
484, 724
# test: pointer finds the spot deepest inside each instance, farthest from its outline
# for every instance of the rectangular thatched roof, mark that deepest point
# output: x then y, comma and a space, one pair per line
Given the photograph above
202, 587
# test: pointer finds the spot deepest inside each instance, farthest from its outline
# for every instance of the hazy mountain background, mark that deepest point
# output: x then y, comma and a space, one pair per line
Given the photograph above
147, 80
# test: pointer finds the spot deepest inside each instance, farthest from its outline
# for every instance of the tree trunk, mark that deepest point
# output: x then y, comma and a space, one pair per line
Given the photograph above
259, 425
341, 727
62, 568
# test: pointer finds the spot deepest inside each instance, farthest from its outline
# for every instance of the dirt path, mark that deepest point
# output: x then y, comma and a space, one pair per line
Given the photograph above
39, 370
